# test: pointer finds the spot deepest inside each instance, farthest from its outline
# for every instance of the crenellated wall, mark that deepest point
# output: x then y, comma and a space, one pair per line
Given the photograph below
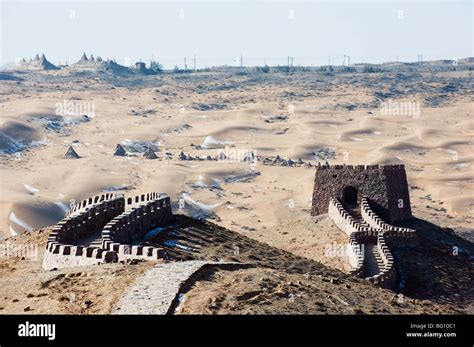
87, 203
387, 276
343, 219
78, 226
385, 185
116, 221
379, 233
132, 225
398, 236
355, 253
144, 198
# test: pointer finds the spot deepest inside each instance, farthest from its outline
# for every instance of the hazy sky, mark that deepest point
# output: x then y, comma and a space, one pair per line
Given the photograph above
218, 32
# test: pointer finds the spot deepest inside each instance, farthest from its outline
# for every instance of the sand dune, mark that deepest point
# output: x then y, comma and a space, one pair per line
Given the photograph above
16, 136
38, 188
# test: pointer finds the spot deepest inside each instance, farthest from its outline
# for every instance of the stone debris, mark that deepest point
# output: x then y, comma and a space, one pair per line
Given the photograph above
249, 157
150, 154
277, 160
71, 154
120, 151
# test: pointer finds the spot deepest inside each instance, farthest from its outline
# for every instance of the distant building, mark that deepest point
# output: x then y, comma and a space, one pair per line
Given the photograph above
140, 66
385, 187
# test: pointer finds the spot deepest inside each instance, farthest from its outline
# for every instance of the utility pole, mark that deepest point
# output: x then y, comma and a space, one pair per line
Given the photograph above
420, 59
194, 62
241, 60
185, 65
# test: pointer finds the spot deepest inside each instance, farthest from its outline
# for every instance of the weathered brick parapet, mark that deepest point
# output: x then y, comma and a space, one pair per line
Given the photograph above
132, 225
87, 203
343, 220
388, 276
406, 236
117, 221
144, 198
79, 225
385, 185
355, 253
362, 167
60, 256
379, 233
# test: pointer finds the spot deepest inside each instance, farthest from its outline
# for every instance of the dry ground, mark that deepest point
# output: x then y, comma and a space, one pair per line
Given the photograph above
319, 117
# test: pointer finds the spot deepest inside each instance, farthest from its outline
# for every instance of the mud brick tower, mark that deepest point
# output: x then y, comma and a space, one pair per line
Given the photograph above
385, 187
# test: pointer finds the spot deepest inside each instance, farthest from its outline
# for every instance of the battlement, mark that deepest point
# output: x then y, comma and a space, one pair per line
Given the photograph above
86, 203
122, 230
371, 218
361, 167
371, 231
385, 185
144, 198
105, 216
387, 276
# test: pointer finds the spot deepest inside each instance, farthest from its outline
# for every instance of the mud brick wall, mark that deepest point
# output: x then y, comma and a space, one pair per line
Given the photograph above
83, 224
355, 253
396, 236
132, 225
382, 184
144, 198
61, 253
388, 275
343, 220
86, 203
379, 233
62, 256
144, 212
398, 195
358, 235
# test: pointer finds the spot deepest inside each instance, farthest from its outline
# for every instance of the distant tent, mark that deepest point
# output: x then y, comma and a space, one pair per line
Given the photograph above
71, 154
149, 154
120, 151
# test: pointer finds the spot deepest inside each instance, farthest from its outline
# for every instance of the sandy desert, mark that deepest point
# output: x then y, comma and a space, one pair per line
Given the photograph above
421, 116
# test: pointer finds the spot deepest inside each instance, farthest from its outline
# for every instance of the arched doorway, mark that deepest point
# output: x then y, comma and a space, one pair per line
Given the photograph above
349, 196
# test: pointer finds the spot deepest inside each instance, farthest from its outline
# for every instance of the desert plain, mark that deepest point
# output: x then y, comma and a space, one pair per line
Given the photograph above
418, 116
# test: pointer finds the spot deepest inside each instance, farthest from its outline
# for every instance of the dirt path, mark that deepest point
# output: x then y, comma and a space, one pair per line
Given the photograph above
157, 290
